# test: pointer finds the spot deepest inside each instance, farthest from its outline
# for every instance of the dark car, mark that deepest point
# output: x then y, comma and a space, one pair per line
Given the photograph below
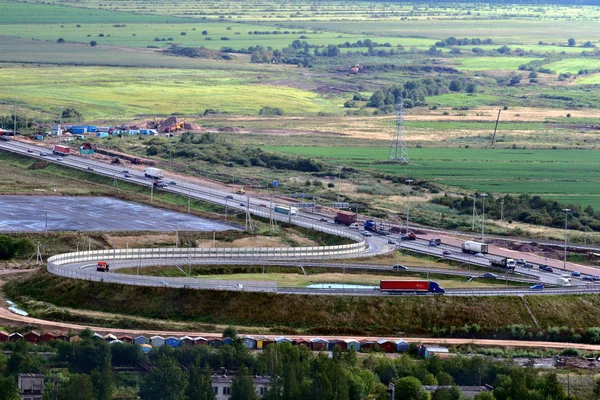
125, 171
392, 241
446, 252
229, 197
575, 273
400, 267
262, 205
127, 175
588, 278
90, 168
546, 268
323, 220
527, 265
243, 204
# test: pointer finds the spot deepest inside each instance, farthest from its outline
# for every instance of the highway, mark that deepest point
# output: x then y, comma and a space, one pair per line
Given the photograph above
262, 206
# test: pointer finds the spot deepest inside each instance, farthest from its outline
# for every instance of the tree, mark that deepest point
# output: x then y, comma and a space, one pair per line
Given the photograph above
471, 88
552, 389
78, 387
60, 40
485, 396
410, 388
204, 33
230, 332
533, 74
571, 42
456, 85
451, 393
242, 387
8, 388
93, 43
515, 80
166, 382
103, 382
199, 383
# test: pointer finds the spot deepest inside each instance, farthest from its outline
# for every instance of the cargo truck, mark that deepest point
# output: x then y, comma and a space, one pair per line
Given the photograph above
154, 173
474, 247
392, 287
286, 210
505, 263
102, 266
61, 150
345, 217
372, 226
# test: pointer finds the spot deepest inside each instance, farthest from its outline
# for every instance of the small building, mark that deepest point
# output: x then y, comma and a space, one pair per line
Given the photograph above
401, 346
319, 344
145, 348
97, 336
115, 341
387, 346
101, 134
259, 341
3, 336
337, 342
56, 130
110, 337
78, 130
63, 337
186, 341
172, 341
302, 342
200, 341
266, 342
227, 340
32, 337
13, 337
141, 340
249, 342
215, 342
157, 341
46, 337
75, 339
126, 339
352, 344
367, 345
222, 385
31, 386
39, 137
102, 129
428, 351
133, 132
92, 128
281, 339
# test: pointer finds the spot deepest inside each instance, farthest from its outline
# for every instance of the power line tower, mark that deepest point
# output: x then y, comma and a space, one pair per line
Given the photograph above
398, 151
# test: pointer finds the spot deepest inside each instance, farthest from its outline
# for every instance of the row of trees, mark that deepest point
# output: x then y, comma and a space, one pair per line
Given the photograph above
452, 41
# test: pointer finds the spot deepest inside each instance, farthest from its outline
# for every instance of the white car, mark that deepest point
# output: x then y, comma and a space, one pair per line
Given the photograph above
238, 286
59, 159
365, 233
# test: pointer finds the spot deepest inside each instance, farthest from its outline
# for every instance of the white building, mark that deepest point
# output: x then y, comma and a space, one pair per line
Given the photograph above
222, 385
31, 386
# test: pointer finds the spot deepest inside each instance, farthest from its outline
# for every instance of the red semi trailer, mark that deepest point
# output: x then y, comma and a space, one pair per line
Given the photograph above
61, 150
392, 287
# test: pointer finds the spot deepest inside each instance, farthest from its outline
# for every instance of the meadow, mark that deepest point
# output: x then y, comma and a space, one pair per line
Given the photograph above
573, 65
493, 63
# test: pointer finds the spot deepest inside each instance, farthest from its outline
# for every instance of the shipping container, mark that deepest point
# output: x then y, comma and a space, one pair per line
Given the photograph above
154, 173
286, 210
474, 247
101, 134
410, 287
61, 150
345, 217
91, 128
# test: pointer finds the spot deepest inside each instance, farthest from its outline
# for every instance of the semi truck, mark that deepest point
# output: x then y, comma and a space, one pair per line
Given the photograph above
154, 173
372, 226
505, 263
102, 266
285, 210
345, 217
61, 150
393, 287
474, 247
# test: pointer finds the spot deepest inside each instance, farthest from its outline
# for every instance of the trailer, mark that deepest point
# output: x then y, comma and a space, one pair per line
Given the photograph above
474, 247
399, 287
285, 210
504, 263
154, 173
345, 217
61, 150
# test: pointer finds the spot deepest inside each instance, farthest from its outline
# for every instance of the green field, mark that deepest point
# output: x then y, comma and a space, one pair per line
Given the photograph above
589, 80
493, 63
537, 172
573, 65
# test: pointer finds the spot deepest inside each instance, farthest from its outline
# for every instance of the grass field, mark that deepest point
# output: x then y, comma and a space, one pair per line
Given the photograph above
547, 172
573, 65
493, 63
123, 93
589, 80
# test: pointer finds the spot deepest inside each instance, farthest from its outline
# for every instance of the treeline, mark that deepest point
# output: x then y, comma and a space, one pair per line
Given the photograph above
210, 148
88, 369
529, 209
452, 41
14, 247
414, 92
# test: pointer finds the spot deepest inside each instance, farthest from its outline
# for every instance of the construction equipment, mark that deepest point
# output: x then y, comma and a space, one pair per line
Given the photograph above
116, 160
240, 190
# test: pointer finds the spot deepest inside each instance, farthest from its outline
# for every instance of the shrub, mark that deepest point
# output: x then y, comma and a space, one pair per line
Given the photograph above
60, 40
11, 247
270, 111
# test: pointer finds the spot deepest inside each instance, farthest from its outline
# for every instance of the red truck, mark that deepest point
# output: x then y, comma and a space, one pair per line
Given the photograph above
345, 217
61, 150
392, 287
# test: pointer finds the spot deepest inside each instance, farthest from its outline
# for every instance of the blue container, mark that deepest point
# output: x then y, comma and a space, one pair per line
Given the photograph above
78, 130
101, 134
91, 128
40, 137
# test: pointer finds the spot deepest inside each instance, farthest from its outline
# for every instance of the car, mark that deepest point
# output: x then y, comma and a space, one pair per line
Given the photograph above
365, 233
243, 204
90, 168
229, 197
478, 255
543, 268
163, 283
30, 150
238, 286
59, 158
446, 252
392, 241
405, 237
539, 286
127, 175
575, 273
399, 267
323, 220
521, 261
125, 171
527, 265
262, 205
172, 183
490, 275
588, 278
42, 154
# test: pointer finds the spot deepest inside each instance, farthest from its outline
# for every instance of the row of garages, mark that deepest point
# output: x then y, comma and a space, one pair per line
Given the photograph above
251, 342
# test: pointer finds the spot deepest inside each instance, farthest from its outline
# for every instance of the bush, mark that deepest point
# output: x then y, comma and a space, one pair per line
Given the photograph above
11, 247
60, 40
270, 111
93, 43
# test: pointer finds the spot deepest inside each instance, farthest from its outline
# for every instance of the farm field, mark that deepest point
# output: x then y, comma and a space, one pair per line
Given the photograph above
537, 172
493, 63
589, 80
573, 65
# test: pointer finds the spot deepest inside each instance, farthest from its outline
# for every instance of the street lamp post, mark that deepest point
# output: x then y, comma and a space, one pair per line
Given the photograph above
483, 196
567, 211
408, 182
502, 216
341, 167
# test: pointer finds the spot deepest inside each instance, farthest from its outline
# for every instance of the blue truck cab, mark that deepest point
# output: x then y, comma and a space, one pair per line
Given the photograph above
434, 287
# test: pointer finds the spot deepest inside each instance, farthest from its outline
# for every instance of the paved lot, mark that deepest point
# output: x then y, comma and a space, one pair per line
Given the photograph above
28, 214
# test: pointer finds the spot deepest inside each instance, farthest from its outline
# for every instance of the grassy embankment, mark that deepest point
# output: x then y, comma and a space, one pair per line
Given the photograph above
481, 316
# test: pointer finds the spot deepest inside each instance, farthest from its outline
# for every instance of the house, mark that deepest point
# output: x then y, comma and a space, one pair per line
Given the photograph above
186, 341
56, 130
141, 340
97, 336
281, 339
110, 337
249, 342
46, 337
387, 346
266, 342
401, 346
216, 343
319, 344
13, 337
157, 341
222, 385
302, 342
115, 341
352, 344
31, 386
200, 340
172, 341
339, 343
367, 345
32, 337
3, 336
126, 339
428, 351
227, 340
63, 337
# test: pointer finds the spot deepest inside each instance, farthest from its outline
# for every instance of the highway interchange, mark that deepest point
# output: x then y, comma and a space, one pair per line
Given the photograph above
262, 206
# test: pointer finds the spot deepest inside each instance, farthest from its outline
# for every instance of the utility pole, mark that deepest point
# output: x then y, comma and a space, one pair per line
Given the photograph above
473, 221
152, 193
408, 182
566, 210
15, 119
341, 167
189, 199
502, 216
483, 195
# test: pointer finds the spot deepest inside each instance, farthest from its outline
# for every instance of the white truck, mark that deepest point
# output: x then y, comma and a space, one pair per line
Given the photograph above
474, 247
563, 281
286, 210
154, 173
